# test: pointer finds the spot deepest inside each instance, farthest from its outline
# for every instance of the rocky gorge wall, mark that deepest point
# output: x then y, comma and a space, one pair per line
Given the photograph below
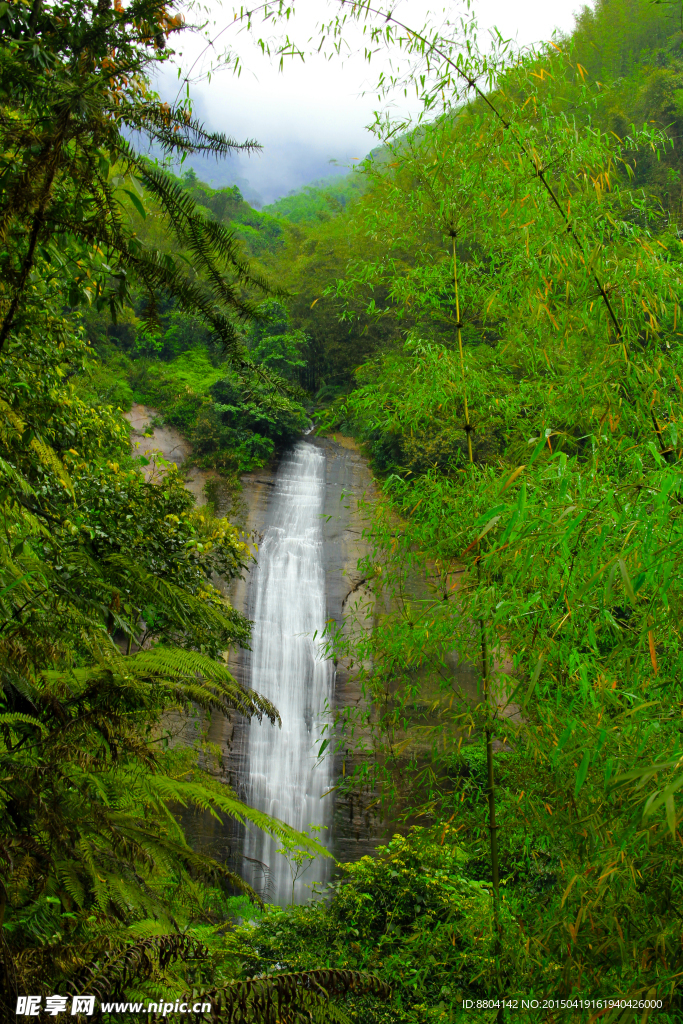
347, 481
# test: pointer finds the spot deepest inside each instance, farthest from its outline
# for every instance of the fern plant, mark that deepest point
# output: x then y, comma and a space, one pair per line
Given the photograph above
73, 86
293, 997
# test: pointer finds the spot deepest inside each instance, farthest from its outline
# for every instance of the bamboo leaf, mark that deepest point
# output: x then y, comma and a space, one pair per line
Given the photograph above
513, 476
16, 583
534, 680
670, 813
136, 202
568, 890
489, 526
610, 582
658, 798
537, 451
596, 576
582, 773
323, 747
648, 771
628, 586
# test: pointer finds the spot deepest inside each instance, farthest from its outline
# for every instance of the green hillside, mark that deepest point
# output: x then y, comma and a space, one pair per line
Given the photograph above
319, 201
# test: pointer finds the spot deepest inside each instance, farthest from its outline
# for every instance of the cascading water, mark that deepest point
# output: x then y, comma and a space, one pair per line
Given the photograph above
288, 607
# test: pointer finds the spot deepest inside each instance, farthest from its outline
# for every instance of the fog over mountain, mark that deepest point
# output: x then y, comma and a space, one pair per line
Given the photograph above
262, 179
311, 119
289, 159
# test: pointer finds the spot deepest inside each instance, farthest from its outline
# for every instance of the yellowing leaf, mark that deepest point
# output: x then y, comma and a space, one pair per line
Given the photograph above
568, 890
489, 526
513, 476
653, 653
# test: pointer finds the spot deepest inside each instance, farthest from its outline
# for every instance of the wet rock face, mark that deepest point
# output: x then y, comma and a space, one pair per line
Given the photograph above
168, 443
355, 831
347, 482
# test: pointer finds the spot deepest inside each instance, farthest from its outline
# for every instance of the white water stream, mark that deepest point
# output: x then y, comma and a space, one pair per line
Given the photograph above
288, 607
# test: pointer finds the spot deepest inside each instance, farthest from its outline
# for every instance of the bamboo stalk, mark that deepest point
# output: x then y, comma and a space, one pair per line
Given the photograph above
488, 732
468, 425
493, 828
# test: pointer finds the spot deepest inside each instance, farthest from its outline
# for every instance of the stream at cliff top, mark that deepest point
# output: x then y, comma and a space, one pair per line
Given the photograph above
288, 608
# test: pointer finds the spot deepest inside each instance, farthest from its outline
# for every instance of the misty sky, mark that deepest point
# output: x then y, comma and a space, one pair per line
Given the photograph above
315, 113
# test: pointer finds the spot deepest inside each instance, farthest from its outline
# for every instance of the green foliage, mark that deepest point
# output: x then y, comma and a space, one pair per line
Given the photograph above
96, 873
312, 257
259, 230
70, 175
409, 914
97, 558
273, 342
616, 41
295, 997
232, 424
299, 858
553, 558
318, 202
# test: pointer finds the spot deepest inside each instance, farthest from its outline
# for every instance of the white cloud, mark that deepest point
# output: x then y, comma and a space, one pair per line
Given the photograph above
314, 112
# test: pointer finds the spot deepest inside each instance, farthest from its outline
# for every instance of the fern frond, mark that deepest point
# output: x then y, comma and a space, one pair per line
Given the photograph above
67, 874
159, 121
290, 998
11, 417
330, 1013
221, 799
15, 718
13, 477
117, 971
179, 664
48, 458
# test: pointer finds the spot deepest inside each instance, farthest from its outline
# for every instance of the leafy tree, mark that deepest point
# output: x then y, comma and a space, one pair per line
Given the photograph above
317, 202
68, 102
399, 913
93, 553
272, 341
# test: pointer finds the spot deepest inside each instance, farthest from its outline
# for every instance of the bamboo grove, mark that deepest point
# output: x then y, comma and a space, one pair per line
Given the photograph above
530, 512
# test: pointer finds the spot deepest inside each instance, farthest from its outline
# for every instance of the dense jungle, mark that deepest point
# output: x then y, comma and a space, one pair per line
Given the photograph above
488, 308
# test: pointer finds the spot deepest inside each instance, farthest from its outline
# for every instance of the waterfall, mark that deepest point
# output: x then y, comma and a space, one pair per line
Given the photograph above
288, 606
